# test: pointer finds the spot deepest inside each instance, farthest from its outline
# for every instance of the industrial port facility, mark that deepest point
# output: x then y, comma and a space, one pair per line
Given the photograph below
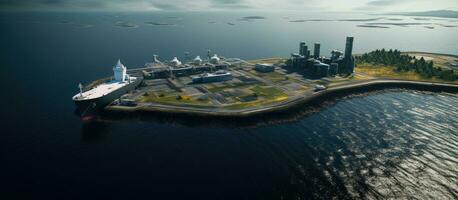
216, 84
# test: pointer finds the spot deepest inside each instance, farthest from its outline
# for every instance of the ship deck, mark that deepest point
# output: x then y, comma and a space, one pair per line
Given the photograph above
102, 90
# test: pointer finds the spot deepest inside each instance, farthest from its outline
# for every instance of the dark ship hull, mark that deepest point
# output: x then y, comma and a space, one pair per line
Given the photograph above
90, 107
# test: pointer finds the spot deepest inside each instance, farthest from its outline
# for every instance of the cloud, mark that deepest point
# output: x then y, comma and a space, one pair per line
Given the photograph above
165, 6
384, 2
206, 5
50, 4
236, 4
379, 5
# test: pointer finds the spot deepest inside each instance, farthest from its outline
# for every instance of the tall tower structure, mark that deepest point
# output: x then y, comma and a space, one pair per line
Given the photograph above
316, 52
348, 58
348, 47
301, 48
120, 72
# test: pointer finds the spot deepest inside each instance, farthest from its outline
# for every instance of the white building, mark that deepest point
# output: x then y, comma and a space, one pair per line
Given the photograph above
175, 62
120, 72
198, 60
214, 59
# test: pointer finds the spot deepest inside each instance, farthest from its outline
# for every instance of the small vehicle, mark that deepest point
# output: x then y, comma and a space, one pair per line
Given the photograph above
319, 88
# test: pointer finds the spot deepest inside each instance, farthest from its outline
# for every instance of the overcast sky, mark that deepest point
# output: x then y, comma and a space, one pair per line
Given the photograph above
208, 5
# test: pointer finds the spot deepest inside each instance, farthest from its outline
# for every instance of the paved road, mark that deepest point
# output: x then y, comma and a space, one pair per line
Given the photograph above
219, 111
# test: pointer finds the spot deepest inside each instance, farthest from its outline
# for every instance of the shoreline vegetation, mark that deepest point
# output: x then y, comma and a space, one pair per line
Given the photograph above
395, 64
377, 70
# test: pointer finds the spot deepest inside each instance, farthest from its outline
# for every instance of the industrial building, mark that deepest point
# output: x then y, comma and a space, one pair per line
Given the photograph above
218, 76
264, 68
176, 68
317, 66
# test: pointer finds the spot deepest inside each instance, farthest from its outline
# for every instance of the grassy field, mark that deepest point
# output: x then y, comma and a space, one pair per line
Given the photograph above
171, 99
268, 92
267, 95
271, 76
385, 71
227, 86
389, 72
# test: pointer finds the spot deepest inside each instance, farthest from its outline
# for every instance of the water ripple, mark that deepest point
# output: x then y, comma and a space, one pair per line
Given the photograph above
395, 145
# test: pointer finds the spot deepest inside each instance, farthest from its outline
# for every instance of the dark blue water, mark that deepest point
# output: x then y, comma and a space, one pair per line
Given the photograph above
396, 144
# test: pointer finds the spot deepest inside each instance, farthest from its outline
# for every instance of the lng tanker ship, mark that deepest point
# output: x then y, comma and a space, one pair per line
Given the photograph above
90, 101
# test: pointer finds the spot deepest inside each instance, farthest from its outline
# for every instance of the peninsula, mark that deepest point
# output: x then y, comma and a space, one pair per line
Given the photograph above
232, 87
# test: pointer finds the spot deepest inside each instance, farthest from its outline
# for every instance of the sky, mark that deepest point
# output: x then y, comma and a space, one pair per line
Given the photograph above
216, 5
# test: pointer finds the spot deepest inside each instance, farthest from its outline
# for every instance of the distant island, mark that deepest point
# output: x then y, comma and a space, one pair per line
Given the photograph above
433, 13
124, 24
159, 24
360, 20
372, 26
254, 17
338, 20
310, 20
249, 18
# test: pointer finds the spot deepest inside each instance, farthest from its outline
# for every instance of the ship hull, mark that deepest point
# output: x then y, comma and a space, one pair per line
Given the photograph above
89, 107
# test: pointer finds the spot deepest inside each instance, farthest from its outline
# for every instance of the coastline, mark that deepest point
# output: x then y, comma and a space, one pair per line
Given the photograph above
288, 105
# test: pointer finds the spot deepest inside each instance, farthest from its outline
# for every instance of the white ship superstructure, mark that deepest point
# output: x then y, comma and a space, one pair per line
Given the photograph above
103, 94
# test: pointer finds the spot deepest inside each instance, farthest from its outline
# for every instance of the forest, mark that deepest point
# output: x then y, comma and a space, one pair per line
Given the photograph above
404, 63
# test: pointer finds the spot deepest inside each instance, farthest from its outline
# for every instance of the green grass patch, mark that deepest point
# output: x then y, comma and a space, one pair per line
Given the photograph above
386, 71
390, 72
272, 76
228, 86
219, 89
270, 95
268, 92
173, 100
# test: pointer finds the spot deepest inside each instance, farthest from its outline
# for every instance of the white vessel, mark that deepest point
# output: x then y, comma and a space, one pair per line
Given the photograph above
101, 95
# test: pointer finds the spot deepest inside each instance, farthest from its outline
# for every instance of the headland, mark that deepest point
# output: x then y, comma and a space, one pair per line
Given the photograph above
232, 87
